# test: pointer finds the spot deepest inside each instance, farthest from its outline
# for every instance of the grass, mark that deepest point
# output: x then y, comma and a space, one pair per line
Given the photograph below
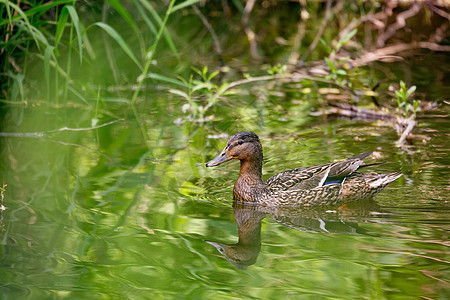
61, 39
51, 31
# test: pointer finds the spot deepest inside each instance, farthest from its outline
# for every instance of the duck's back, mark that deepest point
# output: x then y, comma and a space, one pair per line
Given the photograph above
310, 177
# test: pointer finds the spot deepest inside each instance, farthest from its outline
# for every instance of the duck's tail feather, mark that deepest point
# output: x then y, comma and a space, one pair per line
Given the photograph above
371, 165
362, 155
383, 179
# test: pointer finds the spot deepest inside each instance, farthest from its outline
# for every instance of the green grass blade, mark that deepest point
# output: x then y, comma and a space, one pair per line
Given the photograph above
61, 25
47, 57
152, 11
76, 21
87, 43
145, 17
116, 36
129, 19
122, 11
8, 11
17, 87
238, 5
166, 79
184, 4
158, 19
78, 94
35, 34
41, 8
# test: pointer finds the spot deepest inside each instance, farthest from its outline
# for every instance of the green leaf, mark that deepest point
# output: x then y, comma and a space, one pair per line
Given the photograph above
17, 87
330, 65
129, 19
348, 36
184, 4
122, 11
202, 85
410, 91
116, 36
76, 21
415, 106
166, 79
43, 8
47, 57
212, 75
324, 44
87, 43
238, 5
197, 71
179, 93
62, 21
222, 87
144, 16
158, 20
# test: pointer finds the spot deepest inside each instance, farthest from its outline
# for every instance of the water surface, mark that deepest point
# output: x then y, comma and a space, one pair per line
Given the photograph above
102, 214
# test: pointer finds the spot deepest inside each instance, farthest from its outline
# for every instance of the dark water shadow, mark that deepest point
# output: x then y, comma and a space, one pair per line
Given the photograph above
325, 219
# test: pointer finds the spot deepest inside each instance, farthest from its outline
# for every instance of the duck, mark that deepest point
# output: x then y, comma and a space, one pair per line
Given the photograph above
327, 184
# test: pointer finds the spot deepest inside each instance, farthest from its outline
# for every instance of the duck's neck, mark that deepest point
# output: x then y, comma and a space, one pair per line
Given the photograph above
249, 186
251, 170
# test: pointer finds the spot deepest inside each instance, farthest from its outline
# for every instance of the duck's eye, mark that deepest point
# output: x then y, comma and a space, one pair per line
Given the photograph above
240, 142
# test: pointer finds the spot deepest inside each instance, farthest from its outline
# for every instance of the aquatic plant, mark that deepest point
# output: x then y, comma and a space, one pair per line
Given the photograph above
54, 32
401, 98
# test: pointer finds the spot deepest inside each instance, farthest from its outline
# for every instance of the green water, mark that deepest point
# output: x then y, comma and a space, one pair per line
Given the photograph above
99, 214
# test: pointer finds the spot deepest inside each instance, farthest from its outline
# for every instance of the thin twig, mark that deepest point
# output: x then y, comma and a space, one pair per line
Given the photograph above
438, 11
85, 128
409, 128
293, 58
291, 77
381, 53
319, 32
248, 31
44, 133
213, 34
439, 34
400, 23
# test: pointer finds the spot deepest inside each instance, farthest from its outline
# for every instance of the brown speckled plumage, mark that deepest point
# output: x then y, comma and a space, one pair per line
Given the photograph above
298, 187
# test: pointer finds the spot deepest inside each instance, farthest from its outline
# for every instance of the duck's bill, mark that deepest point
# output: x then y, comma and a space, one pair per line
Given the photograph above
221, 158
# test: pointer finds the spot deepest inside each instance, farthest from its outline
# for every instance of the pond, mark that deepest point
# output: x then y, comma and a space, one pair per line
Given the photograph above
98, 214
105, 202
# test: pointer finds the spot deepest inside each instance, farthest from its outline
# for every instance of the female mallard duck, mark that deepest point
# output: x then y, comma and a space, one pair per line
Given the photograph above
332, 183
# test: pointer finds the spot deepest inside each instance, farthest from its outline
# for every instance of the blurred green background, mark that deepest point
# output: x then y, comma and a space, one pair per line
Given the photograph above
110, 110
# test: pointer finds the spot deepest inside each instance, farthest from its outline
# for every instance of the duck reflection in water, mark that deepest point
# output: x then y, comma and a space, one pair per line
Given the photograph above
343, 219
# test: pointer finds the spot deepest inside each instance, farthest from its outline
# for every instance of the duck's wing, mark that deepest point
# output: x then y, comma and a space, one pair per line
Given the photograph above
357, 186
348, 166
287, 179
325, 195
311, 177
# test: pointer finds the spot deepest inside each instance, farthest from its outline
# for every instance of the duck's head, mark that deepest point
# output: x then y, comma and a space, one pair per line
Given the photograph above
244, 146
